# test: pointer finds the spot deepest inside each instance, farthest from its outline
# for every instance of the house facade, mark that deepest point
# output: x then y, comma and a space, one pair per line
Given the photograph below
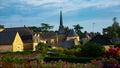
26, 36
10, 42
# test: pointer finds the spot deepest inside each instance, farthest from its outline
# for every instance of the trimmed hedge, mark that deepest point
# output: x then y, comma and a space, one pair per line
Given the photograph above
70, 59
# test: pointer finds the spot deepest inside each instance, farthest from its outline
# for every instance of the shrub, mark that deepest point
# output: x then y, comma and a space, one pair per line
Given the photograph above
117, 44
42, 47
92, 50
73, 51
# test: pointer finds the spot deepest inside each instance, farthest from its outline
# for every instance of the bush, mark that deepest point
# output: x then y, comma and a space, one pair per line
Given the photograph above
73, 51
92, 50
41, 47
117, 44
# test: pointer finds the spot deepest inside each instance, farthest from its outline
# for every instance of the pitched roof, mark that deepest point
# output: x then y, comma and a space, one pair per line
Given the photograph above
7, 37
21, 30
67, 44
25, 33
71, 33
46, 35
101, 40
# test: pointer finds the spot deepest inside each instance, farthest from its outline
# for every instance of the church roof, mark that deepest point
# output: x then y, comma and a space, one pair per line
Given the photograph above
7, 38
71, 33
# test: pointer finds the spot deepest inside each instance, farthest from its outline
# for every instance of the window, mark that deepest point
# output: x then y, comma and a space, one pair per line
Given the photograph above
18, 48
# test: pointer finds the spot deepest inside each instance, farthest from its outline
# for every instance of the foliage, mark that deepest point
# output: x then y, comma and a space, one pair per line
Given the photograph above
42, 47
73, 51
59, 50
69, 59
64, 64
43, 27
112, 31
92, 50
35, 29
78, 29
117, 44
110, 63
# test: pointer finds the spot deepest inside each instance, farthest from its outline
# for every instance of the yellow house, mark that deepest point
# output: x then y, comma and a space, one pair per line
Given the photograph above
10, 42
26, 35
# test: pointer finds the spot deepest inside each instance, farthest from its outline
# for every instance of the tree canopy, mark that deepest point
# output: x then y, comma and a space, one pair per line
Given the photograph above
92, 50
78, 29
42, 47
44, 27
112, 31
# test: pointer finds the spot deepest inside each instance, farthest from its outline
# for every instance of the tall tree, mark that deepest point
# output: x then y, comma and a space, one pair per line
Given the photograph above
112, 31
78, 29
35, 29
44, 27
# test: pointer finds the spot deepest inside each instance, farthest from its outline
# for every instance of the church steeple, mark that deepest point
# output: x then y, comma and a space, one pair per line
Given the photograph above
61, 20
61, 27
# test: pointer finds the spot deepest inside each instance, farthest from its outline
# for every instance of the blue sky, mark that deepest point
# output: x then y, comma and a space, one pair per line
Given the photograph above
16, 13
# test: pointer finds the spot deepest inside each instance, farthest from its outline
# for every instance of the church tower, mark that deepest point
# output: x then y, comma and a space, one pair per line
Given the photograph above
61, 27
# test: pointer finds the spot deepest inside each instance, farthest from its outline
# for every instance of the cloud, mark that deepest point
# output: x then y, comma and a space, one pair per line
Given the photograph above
40, 2
34, 11
67, 5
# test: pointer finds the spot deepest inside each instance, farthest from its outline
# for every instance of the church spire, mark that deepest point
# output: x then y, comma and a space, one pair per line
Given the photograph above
61, 20
61, 27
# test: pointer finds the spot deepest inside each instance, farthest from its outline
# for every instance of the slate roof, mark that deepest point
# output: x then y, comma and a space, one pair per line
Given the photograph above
71, 33
46, 35
67, 44
7, 38
25, 33
101, 40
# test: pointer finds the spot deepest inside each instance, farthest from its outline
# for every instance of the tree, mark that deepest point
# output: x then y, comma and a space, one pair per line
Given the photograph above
78, 29
35, 29
112, 31
45, 27
92, 50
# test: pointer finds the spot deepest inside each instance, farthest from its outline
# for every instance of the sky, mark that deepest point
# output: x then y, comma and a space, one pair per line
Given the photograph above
92, 15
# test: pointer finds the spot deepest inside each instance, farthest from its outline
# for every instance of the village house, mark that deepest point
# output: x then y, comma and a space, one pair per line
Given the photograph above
25, 34
10, 42
103, 41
